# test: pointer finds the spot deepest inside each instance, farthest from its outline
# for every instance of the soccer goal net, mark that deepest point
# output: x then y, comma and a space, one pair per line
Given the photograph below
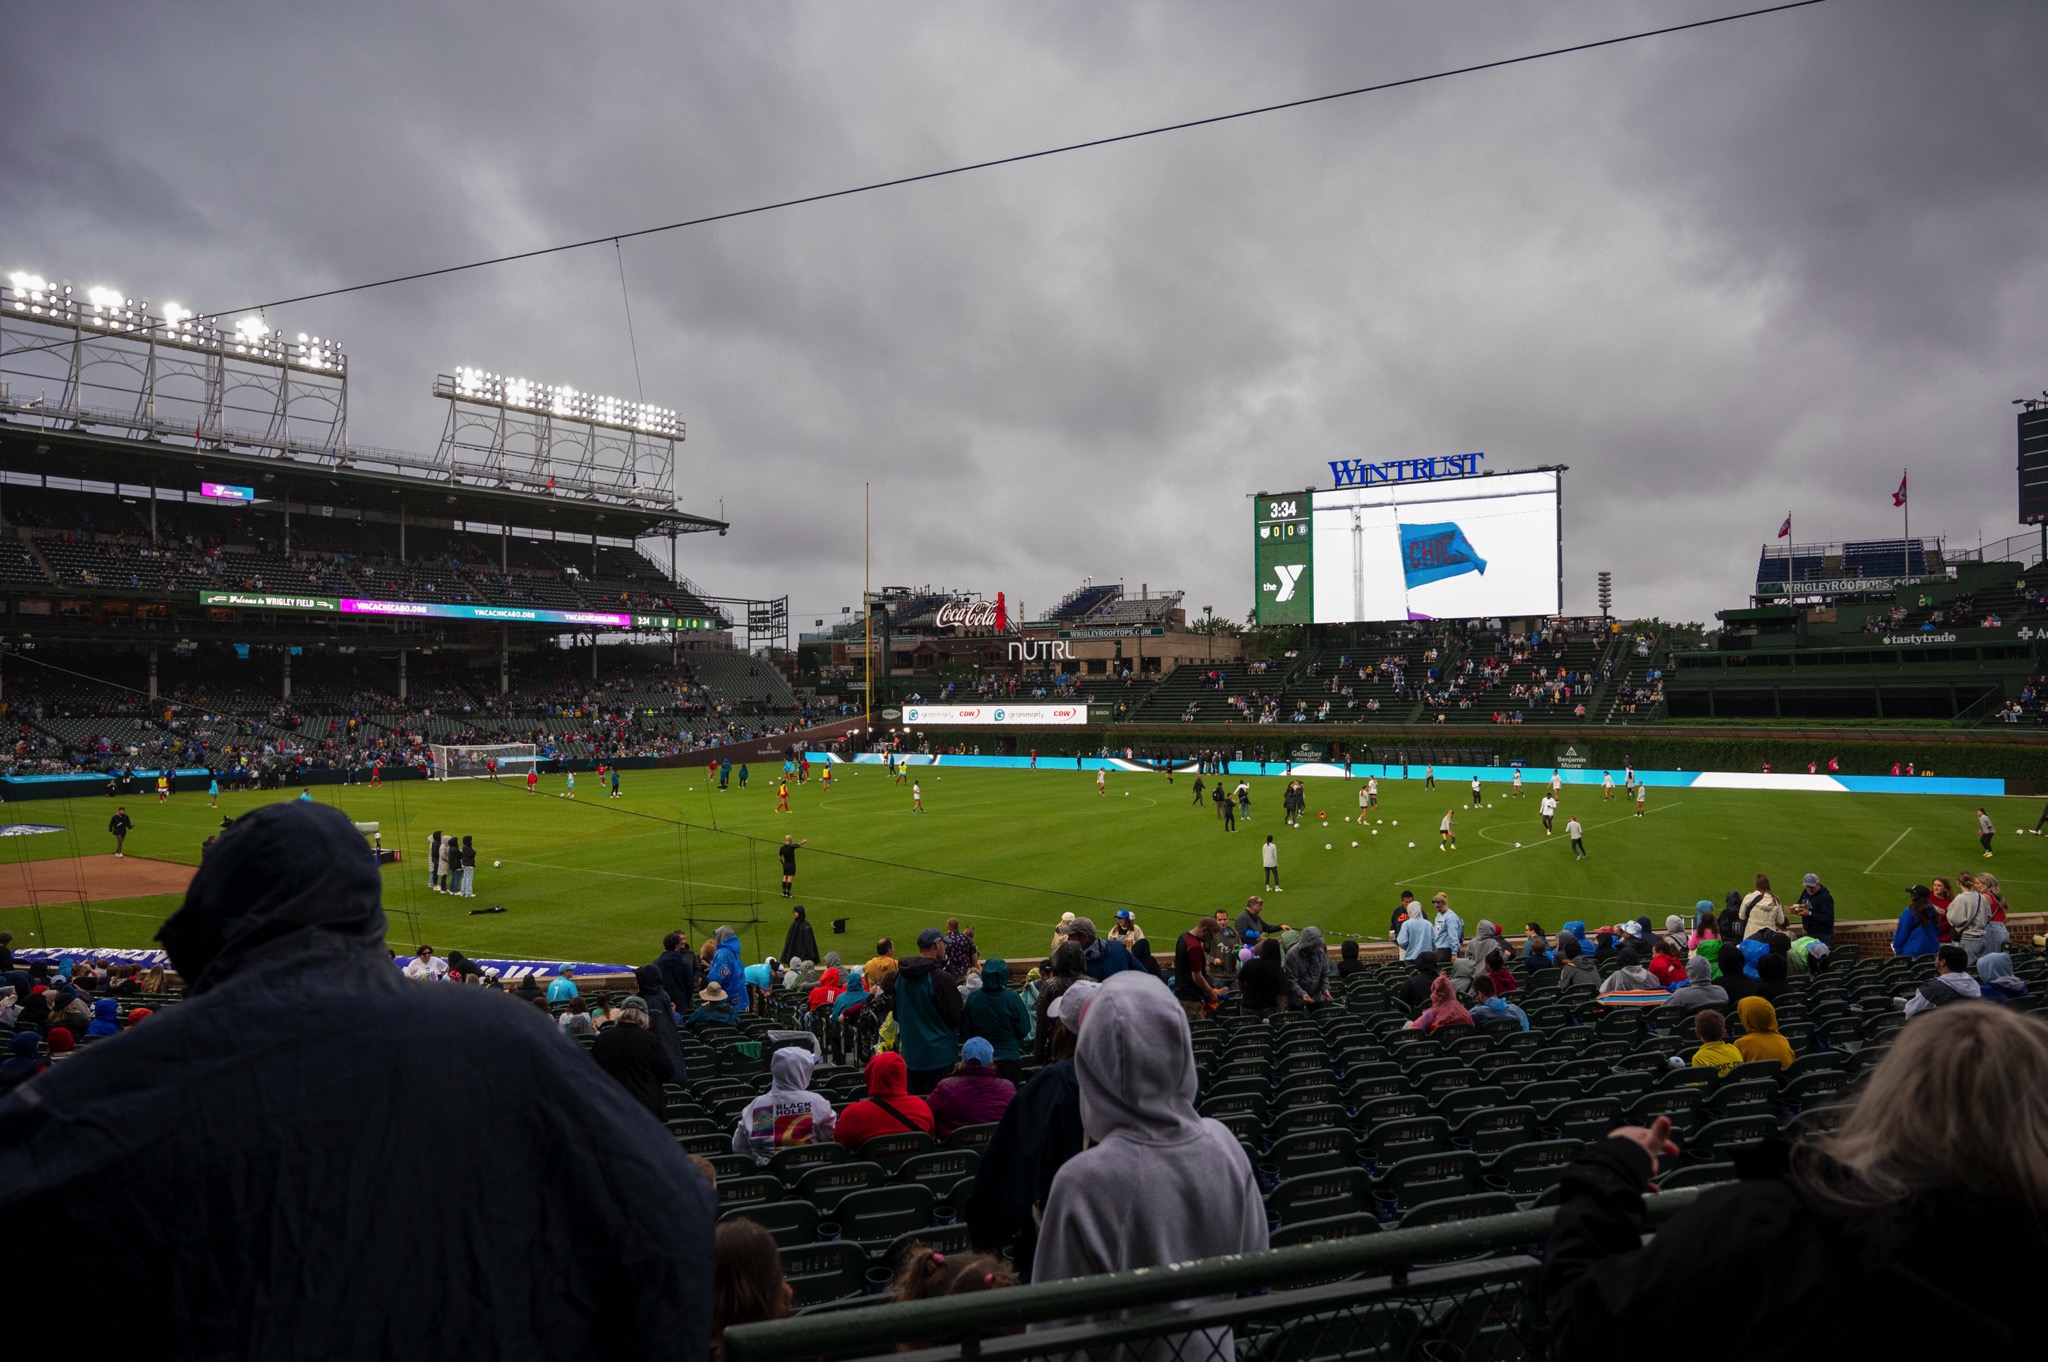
452, 762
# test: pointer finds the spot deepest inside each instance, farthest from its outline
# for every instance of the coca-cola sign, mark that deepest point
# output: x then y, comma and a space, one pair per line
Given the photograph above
974, 615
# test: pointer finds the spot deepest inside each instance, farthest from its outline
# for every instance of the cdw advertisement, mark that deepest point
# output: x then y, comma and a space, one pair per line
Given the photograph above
1025, 715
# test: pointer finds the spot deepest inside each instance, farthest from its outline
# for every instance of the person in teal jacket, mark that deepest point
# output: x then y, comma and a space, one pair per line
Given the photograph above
999, 1017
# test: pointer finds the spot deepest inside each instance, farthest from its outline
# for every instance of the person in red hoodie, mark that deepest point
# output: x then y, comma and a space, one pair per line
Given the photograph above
1665, 964
828, 989
975, 1094
889, 1109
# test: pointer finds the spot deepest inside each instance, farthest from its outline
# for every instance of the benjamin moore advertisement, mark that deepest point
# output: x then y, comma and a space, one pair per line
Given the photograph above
1028, 715
1452, 548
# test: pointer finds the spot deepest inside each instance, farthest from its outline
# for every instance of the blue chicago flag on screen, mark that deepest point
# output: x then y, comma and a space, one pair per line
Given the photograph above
1430, 553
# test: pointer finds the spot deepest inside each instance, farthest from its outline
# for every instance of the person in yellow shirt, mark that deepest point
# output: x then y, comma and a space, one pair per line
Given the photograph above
1715, 1052
882, 968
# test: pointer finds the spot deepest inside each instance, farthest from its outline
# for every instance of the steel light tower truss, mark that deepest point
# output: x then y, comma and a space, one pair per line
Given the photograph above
537, 437
100, 359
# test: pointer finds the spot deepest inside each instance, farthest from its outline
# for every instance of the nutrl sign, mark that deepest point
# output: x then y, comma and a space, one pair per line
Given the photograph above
1359, 473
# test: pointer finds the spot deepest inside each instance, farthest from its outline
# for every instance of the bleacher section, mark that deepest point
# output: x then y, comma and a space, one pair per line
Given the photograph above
1077, 604
101, 543
1353, 1123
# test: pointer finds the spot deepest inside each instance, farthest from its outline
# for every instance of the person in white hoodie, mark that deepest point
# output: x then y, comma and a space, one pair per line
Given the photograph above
788, 1114
1159, 1184
1952, 982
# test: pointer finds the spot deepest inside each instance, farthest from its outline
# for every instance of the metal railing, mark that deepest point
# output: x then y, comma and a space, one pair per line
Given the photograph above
1470, 1287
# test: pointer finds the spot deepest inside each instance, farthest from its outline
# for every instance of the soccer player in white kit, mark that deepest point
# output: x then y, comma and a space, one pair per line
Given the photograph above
1549, 807
1372, 793
1556, 782
1515, 786
1606, 786
1446, 840
1642, 793
1101, 776
1477, 797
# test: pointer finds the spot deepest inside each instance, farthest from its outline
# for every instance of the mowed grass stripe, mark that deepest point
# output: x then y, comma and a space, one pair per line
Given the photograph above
603, 879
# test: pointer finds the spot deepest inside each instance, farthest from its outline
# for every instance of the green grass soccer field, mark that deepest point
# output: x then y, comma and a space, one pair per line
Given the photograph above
1008, 851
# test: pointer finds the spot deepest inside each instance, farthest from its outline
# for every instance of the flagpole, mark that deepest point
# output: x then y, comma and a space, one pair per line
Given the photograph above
867, 614
1906, 506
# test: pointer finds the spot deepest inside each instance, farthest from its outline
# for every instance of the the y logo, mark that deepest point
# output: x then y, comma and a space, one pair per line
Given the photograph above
1290, 574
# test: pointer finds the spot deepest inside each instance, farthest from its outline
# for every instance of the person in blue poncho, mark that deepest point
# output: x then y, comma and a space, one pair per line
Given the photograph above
106, 1018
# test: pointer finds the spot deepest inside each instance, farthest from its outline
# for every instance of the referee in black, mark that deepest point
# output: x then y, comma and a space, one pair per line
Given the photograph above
788, 853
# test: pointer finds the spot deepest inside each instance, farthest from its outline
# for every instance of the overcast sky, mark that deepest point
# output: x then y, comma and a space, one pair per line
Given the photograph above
1723, 275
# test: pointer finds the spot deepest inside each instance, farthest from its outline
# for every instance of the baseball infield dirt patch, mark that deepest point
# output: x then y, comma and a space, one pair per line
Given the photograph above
43, 883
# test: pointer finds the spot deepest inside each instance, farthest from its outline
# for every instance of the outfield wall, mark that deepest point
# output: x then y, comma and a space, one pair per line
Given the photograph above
1532, 777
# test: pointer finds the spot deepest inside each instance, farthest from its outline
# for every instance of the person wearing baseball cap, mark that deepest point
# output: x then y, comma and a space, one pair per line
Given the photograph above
1104, 957
1816, 910
1253, 918
1125, 931
928, 1012
1919, 929
975, 1094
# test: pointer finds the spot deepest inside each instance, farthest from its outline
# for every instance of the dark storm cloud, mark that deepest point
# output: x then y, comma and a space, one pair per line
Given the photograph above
1722, 275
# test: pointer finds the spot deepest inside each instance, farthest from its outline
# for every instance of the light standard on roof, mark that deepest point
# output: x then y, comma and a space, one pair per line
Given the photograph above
1209, 627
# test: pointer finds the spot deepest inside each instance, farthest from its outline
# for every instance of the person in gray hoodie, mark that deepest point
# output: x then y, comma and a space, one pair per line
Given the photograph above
1308, 968
1484, 942
1159, 1184
1699, 988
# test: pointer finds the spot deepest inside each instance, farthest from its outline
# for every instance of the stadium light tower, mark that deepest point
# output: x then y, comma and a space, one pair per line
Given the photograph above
546, 437
1606, 594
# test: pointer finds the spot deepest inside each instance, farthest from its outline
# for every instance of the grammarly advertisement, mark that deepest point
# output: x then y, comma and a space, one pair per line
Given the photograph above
1454, 548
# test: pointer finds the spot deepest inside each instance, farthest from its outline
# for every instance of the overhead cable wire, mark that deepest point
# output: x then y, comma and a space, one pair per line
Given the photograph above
1021, 157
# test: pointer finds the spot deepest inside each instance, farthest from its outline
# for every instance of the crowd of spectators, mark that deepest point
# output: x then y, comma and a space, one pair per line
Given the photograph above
288, 1021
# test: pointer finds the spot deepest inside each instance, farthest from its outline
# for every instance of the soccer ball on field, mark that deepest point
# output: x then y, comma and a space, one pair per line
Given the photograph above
496, 864
1127, 794
1518, 844
1326, 846
1411, 846
1354, 844
1375, 832
1397, 822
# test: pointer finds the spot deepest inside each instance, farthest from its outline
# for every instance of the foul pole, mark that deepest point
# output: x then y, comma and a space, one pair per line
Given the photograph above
867, 616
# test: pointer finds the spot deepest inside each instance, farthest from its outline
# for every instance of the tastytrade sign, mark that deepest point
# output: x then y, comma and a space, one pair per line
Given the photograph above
507, 614
1008, 715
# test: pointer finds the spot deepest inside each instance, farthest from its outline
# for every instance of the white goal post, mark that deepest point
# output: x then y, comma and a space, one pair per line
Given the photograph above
474, 761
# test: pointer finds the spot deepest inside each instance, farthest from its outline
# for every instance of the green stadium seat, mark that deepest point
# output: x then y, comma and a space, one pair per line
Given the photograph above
1696, 1175
1296, 1119
1383, 1331
791, 1163
1586, 1118
971, 1137
1734, 1097
880, 1214
730, 1165
1317, 1196
824, 1185
1397, 1138
754, 1190
1622, 1085
1446, 1210
892, 1150
1528, 1169
1390, 1108
1691, 1076
1320, 1231
1685, 1107
825, 1272
940, 1169
1456, 1102
790, 1222
1715, 1140
1313, 1151
1428, 1177
1752, 1070
939, 1238
1490, 1130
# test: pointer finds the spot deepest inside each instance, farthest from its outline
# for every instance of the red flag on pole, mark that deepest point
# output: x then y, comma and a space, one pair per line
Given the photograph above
1899, 497
1785, 530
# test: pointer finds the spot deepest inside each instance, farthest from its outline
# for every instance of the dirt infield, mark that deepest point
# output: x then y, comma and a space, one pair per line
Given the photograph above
42, 883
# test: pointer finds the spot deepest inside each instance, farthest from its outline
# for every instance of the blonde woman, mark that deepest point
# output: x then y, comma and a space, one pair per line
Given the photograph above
1928, 1208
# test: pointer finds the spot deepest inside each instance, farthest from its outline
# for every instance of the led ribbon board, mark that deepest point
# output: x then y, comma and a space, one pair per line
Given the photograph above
501, 614
226, 491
